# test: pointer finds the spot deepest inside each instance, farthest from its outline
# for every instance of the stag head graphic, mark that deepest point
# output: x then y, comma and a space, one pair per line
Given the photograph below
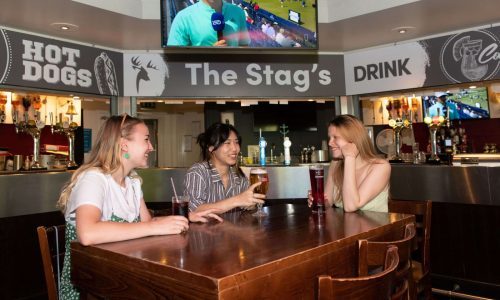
143, 71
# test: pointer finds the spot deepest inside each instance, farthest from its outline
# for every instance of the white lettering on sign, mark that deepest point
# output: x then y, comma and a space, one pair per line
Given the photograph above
489, 53
53, 64
258, 75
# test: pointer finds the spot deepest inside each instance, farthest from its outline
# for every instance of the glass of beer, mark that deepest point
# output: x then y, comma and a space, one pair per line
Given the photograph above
316, 176
259, 175
180, 206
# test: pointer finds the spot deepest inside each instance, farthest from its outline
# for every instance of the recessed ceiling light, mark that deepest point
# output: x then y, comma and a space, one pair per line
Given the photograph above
472, 87
403, 29
64, 26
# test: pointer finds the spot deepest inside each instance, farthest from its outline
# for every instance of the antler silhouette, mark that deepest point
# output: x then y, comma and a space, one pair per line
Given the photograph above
151, 66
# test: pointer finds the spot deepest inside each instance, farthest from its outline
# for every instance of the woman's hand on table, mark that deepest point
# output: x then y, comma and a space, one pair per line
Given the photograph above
169, 225
204, 215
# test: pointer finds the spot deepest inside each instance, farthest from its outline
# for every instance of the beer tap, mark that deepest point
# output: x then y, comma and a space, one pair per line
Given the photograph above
68, 129
33, 128
262, 148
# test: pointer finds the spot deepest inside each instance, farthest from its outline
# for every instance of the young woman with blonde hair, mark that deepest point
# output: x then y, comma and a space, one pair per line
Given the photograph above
103, 201
357, 179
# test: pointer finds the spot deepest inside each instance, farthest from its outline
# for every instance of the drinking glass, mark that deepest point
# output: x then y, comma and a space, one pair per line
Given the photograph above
259, 175
316, 176
180, 206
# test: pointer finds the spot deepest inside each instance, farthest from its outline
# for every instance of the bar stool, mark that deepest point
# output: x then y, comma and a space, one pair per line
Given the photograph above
376, 286
422, 209
52, 249
369, 258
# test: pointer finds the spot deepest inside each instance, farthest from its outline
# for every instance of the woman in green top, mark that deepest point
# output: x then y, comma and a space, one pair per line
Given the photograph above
357, 179
103, 202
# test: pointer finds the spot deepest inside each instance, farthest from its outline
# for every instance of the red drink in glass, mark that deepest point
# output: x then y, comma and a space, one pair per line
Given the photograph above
180, 206
316, 176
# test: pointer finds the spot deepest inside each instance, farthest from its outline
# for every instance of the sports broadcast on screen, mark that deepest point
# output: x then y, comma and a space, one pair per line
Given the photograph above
265, 24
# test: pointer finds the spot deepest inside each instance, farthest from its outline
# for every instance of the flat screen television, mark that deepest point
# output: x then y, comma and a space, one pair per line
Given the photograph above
298, 116
466, 104
262, 24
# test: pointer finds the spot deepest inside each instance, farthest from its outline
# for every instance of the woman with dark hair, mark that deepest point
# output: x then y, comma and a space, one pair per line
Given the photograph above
357, 178
217, 182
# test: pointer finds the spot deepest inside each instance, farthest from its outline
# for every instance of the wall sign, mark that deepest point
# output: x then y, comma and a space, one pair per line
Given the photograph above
250, 76
464, 57
37, 62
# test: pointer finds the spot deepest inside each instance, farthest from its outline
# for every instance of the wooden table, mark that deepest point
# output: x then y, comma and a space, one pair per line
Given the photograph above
245, 257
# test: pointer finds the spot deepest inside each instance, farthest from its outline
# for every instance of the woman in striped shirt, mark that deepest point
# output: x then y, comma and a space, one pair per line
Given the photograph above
217, 182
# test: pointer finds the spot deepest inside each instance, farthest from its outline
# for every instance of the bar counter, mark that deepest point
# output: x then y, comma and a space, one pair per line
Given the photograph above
31, 193
245, 257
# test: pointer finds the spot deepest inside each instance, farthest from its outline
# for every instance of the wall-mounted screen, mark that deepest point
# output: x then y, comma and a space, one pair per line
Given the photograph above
466, 104
298, 116
263, 24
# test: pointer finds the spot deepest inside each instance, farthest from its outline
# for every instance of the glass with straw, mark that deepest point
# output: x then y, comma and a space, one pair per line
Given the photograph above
180, 204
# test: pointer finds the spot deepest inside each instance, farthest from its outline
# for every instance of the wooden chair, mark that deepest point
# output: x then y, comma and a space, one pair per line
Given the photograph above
370, 258
376, 286
422, 209
52, 249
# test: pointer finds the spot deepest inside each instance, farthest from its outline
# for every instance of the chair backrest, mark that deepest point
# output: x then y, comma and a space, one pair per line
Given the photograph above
376, 286
422, 209
52, 249
370, 256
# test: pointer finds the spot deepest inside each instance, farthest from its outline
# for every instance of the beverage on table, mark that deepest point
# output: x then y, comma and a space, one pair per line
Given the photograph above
259, 175
316, 176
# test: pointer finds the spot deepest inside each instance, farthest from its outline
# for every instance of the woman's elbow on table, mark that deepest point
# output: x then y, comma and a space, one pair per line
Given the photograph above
352, 208
85, 239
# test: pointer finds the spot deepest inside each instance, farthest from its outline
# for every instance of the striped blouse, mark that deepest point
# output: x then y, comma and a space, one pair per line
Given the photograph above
203, 184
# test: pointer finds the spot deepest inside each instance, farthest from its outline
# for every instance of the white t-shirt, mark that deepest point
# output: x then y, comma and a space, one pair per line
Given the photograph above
102, 191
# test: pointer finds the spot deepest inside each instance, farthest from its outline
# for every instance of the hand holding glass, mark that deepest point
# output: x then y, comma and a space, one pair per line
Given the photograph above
259, 175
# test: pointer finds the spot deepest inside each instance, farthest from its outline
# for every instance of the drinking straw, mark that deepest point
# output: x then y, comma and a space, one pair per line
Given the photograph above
173, 186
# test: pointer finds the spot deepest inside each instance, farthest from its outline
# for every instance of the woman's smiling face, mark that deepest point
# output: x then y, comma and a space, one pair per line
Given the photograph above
227, 153
336, 141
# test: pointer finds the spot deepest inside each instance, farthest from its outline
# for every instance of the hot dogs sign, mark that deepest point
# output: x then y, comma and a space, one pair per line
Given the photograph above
38, 62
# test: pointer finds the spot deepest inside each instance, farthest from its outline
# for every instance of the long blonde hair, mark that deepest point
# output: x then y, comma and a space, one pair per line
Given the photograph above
352, 130
105, 155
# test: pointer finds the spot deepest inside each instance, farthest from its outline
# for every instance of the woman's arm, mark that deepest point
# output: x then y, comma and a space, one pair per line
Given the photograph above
245, 199
91, 230
144, 212
329, 186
